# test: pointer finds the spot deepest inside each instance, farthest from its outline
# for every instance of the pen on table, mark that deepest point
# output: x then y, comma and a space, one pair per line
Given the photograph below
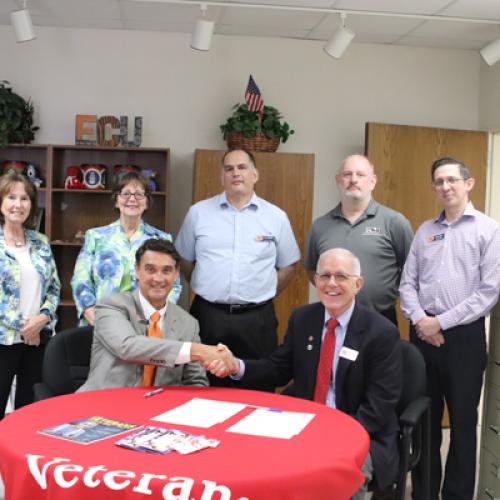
153, 393
264, 408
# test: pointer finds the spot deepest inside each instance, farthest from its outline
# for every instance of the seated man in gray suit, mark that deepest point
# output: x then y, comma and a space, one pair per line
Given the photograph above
140, 339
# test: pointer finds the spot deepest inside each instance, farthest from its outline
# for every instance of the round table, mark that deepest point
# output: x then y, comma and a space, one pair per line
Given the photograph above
322, 462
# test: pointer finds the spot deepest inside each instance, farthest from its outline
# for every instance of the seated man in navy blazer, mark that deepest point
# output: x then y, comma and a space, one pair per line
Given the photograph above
342, 354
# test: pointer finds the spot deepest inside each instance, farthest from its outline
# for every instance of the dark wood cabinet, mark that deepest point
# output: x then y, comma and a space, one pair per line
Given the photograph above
69, 213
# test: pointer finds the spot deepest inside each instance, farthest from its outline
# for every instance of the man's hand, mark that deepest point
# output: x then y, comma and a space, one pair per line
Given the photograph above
227, 365
429, 330
219, 360
30, 332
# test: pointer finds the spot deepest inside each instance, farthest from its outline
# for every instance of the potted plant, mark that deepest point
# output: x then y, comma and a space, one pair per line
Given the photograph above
16, 117
255, 131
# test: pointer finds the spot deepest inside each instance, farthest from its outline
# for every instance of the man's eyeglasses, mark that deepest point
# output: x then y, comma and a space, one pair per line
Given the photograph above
126, 195
337, 277
451, 181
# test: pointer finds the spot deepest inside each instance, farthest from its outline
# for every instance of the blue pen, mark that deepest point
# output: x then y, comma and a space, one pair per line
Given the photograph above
264, 408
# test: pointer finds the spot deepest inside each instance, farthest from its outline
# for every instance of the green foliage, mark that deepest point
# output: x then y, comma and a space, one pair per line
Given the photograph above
16, 117
249, 123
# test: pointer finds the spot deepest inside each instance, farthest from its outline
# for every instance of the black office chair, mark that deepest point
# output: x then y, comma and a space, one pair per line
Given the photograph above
66, 363
414, 419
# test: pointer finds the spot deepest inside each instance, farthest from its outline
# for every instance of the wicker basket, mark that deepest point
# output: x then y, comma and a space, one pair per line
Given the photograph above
259, 142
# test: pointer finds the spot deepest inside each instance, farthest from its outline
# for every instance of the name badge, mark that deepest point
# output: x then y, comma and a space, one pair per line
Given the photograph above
349, 354
372, 231
436, 237
265, 238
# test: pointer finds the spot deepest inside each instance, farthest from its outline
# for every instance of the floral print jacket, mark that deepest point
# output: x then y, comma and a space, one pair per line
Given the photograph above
11, 318
107, 261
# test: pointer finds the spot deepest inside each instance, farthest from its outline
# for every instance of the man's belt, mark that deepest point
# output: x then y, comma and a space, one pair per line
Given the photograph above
237, 308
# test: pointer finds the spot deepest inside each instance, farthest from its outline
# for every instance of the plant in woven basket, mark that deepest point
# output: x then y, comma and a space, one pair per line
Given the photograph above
250, 124
16, 117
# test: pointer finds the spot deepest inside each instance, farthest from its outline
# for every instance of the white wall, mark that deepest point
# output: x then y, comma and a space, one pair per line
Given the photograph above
184, 95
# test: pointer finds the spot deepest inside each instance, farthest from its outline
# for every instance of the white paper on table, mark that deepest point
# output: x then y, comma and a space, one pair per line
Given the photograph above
273, 423
199, 412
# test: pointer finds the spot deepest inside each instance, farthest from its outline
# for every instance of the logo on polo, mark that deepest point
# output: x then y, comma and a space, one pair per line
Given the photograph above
66, 475
372, 231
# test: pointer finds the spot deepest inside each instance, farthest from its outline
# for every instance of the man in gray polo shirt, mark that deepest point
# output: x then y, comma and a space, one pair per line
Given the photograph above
379, 236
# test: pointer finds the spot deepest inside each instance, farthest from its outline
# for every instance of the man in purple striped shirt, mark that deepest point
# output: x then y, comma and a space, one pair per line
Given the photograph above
450, 282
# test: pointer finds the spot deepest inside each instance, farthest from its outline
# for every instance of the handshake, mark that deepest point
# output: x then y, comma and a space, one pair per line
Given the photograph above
218, 360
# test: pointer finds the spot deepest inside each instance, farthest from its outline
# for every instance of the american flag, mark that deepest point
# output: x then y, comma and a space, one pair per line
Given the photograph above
252, 96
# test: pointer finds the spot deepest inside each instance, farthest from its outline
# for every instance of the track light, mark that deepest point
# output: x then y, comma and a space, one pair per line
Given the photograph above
202, 34
340, 40
21, 22
491, 53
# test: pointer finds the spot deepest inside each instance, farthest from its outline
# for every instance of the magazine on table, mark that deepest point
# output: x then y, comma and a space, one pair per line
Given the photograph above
159, 440
89, 430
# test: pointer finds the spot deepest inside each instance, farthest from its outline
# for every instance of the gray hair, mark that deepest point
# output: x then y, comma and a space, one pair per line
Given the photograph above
355, 264
344, 161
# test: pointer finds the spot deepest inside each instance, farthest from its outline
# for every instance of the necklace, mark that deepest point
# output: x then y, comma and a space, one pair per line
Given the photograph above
18, 243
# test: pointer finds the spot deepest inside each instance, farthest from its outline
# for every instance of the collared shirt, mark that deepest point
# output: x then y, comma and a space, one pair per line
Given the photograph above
184, 355
453, 269
380, 238
236, 251
340, 332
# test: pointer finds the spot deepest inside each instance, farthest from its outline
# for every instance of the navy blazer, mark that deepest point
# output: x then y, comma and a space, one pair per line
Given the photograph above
367, 389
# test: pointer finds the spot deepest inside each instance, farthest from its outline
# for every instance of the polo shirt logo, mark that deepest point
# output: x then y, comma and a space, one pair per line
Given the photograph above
372, 231
436, 237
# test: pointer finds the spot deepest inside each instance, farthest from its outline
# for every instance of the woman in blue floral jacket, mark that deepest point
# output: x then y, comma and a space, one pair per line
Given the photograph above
29, 291
106, 262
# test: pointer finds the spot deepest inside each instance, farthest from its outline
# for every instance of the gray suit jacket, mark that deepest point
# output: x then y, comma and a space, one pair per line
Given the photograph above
121, 346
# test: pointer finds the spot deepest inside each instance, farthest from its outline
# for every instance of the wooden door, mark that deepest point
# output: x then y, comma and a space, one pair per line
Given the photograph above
285, 179
403, 156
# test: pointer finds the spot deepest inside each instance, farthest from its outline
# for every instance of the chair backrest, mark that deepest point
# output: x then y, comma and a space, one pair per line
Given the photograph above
67, 359
414, 375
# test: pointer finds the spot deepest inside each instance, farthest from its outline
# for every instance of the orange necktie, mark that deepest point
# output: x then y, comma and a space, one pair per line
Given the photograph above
148, 375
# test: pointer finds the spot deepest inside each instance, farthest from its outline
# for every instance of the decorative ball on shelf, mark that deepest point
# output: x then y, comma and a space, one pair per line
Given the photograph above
73, 178
33, 174
15, 167
150, 175
94, 176
120, 170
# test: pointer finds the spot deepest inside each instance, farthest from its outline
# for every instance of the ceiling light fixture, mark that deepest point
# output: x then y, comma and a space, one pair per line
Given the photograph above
340, 40
203, 31
21, 22
491, 53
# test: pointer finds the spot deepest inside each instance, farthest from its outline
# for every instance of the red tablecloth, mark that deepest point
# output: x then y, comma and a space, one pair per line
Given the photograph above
323, 462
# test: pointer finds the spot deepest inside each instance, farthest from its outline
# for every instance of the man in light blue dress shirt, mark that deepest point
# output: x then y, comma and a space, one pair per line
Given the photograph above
238, 252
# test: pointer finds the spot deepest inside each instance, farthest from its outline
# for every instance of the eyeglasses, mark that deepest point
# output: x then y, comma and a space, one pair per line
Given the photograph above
451, 181
337, 277
137, 196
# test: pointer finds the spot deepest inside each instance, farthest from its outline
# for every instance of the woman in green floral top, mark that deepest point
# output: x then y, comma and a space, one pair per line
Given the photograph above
106, 262
29, 291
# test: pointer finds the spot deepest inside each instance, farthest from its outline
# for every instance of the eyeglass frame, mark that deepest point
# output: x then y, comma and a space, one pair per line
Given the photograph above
138, 196
451, 181
344, 277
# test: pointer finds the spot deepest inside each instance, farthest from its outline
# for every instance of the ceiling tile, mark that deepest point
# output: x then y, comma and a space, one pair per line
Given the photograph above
402, 6
481, 9
457, 30
438, 42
